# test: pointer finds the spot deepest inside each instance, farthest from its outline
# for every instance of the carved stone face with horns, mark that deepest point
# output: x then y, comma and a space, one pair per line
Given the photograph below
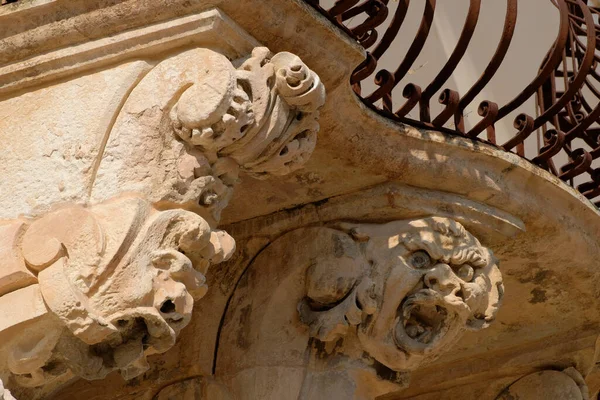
411, 288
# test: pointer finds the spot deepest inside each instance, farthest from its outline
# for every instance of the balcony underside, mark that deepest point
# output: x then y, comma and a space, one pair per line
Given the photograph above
366, 168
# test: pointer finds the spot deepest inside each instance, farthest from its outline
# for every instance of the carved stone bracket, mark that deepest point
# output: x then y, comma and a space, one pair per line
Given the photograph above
261, 118
118, 280
408, 288
115, 282
358, 309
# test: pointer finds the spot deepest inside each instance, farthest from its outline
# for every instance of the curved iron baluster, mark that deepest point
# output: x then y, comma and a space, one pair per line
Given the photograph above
566, 88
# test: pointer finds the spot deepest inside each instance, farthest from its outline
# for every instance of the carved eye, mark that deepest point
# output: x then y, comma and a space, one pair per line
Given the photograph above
420, 259
465, 273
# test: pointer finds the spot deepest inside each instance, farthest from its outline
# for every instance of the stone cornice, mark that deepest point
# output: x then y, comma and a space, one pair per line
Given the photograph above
209, 28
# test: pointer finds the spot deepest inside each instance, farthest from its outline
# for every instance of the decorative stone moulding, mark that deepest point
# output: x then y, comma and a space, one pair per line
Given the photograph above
99, 283
373, 302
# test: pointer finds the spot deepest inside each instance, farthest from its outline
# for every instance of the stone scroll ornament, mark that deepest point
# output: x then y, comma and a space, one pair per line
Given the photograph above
119, 281
407, 290
260, 118
113, 283
219, 121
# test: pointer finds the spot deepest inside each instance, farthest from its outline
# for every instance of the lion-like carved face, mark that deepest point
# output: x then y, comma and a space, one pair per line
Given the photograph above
418, 285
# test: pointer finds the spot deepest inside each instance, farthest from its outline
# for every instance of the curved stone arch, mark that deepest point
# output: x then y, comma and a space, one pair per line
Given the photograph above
310, 315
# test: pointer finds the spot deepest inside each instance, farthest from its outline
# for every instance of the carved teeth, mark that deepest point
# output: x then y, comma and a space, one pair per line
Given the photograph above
412, 331
407, 311
426, 336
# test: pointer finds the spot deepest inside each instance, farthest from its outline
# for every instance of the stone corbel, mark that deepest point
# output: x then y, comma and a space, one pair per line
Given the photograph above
412, 290
259, 118
99, 288
118, 281
369, 303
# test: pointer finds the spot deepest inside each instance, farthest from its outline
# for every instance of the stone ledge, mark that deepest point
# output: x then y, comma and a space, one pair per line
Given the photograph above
207, 28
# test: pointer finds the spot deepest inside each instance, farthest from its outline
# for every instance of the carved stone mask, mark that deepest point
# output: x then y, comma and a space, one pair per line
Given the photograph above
415, 287
122, 278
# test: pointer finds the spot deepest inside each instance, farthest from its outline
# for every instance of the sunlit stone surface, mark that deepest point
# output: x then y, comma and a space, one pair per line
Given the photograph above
195, 205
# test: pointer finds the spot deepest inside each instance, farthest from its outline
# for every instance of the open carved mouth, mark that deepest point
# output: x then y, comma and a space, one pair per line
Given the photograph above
145, 324
422, 321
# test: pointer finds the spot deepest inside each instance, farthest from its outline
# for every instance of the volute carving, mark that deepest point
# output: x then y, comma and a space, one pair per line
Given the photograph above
115, 282
218, 120
261, 118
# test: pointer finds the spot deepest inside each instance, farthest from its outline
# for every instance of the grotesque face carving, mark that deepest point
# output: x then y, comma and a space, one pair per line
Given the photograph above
121, 278
417, 286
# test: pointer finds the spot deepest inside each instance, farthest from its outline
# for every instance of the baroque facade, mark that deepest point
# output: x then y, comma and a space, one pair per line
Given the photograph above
200, 201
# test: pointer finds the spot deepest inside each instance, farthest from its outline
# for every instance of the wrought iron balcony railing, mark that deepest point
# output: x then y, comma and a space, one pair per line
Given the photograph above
565, 89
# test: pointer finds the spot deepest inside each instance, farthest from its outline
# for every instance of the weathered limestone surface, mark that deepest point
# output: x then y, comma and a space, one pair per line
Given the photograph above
551, 385
118, 282
370, 303
172, 227
98, 278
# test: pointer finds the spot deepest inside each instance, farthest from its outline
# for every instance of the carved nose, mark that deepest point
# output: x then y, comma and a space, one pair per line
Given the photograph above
441, 278
171, 302
168, 307
171, 309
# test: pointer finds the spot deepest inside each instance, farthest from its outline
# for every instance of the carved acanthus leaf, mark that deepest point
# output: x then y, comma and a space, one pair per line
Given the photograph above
122, 277
260, 118
115, 282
